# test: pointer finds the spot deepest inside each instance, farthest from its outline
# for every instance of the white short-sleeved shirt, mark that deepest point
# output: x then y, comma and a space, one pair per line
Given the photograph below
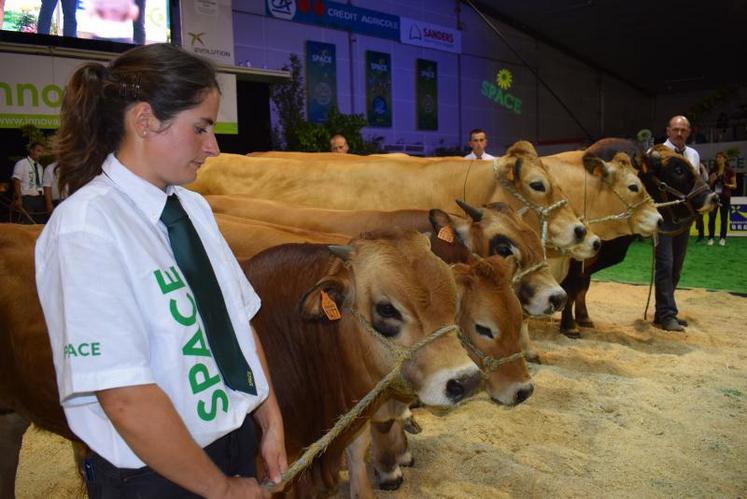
691, 154
50, 180
485, 156
31, 185
120, 313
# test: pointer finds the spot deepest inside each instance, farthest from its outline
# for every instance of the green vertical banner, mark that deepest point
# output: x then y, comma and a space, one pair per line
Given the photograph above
321, 80
379, 89
426, 91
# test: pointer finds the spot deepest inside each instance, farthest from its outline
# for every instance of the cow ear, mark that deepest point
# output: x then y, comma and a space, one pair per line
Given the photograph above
595, 165
439, 219
336, 287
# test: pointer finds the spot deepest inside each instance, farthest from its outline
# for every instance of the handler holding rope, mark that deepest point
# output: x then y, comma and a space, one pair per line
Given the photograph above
146, 307
673, 238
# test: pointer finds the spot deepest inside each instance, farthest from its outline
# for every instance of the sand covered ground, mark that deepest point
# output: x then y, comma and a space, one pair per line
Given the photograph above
626, 411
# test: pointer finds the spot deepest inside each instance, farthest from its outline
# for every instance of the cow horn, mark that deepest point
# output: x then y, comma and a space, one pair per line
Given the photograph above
341, 252
474, 213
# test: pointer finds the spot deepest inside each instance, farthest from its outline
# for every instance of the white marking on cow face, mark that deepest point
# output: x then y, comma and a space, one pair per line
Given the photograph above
448, 387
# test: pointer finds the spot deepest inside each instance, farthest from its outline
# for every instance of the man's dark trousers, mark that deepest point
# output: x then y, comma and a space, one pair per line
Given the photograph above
670, 255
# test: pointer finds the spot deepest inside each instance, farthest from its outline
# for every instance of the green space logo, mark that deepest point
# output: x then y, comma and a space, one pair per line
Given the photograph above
497, 92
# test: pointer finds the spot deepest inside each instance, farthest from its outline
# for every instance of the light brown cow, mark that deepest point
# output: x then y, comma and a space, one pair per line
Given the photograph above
391, 183
494, 230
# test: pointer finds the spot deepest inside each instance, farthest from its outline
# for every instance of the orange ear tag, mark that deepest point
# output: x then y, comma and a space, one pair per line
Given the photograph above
446, 234
330, 307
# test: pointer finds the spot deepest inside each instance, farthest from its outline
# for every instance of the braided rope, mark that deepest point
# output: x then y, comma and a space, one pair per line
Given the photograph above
521, 273
488, 364
393, 377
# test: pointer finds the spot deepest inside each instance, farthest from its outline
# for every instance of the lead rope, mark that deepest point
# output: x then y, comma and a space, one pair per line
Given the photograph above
393, 377
651, 282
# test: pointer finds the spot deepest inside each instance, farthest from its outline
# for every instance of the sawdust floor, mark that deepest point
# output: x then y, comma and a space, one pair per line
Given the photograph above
626, 411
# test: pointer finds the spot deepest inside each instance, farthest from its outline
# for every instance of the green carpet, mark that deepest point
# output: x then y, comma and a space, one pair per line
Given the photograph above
710, 267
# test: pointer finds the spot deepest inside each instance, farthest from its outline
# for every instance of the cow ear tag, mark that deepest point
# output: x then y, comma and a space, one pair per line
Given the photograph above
446, 234
330, 307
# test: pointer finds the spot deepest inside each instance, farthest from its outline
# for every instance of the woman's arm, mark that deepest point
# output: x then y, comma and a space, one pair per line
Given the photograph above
269, 418
147, 421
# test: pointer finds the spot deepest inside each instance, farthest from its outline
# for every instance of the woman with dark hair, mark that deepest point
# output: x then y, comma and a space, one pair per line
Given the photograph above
722, 180
144, 302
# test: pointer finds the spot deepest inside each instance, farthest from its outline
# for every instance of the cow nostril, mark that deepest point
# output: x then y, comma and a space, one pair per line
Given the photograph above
660, 222
524, 393
597, 244
455, 390
580, 231
558, 301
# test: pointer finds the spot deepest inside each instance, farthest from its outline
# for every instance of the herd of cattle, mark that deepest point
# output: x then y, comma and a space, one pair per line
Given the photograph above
403, 264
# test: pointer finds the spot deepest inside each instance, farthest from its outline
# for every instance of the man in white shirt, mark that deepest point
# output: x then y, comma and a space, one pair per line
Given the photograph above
478, 141
27, 184
673, 238
51, 187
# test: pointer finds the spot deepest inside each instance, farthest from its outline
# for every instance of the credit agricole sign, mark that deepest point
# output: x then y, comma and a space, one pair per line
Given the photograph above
31, 89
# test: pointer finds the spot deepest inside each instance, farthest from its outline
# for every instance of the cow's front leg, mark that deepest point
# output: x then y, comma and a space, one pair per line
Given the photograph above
360, 483
526, 345
582, 314
12, 428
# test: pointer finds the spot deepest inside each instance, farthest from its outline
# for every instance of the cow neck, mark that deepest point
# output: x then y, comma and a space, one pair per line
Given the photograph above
393, 381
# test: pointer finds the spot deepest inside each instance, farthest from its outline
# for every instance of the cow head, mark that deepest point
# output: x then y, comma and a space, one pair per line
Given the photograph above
669, 176
398, 287
497, 230
490, 316
522, 171
622, 192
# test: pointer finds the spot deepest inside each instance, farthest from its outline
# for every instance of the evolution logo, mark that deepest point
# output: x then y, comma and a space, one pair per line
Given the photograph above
282, 9
498, 92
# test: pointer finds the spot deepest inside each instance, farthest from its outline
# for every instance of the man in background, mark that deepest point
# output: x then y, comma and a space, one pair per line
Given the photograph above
338, 144
27, 184
478, 141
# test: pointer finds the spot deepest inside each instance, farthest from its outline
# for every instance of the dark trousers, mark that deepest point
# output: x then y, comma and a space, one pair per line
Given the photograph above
724, 212
36, 207
670, 255
138, 25
69, 22
235, 454
699, 225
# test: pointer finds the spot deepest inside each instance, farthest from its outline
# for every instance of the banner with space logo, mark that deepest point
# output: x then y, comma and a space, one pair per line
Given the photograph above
321, 80
379, 89
426, 93
207, 29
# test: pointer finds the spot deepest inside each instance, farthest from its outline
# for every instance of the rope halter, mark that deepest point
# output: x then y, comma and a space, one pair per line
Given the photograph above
543, 212
487, 363
394, 376
627, 213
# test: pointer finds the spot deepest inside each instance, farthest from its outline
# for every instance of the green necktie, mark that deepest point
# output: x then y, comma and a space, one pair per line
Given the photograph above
194, 263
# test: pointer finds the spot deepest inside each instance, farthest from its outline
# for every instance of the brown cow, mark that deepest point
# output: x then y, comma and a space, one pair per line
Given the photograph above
395, 281
401, 289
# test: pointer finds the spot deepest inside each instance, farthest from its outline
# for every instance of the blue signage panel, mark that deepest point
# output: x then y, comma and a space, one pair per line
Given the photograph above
336, 15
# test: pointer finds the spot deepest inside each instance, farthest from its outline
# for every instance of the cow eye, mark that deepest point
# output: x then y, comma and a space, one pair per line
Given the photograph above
503, 250
537, 186
387, 311
633, 188
484, 331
